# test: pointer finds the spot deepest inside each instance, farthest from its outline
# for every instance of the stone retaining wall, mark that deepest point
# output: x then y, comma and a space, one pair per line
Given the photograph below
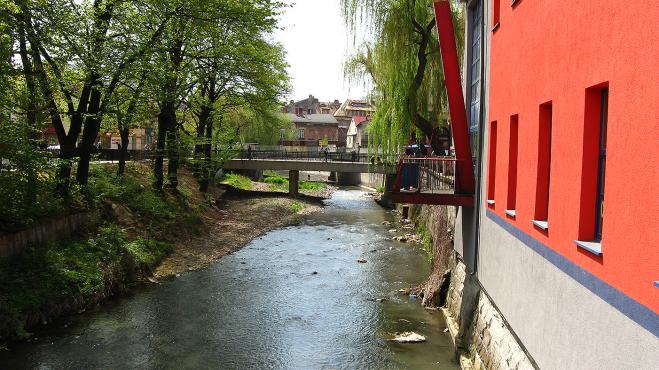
483, 340
45, 232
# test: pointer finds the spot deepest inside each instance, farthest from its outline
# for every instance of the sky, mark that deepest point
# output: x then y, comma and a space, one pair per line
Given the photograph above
317, 44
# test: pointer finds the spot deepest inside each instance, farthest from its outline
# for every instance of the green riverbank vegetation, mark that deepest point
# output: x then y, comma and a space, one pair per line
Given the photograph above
137, 228
279, 182
201, 77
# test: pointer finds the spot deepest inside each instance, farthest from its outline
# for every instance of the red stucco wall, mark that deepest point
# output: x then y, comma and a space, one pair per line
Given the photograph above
553, 51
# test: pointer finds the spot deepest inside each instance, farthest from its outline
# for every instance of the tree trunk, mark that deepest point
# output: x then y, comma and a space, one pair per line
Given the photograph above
173, 156
31, 114
207, 172
199, 144
123, 152
160, 152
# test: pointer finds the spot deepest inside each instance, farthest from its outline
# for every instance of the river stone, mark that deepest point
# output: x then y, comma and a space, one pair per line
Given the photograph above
409, 337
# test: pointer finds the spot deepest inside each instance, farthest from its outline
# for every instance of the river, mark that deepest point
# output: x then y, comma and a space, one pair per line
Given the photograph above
295, 298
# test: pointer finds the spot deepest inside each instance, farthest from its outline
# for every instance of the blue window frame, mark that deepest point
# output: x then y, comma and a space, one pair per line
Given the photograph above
601, 172
475, 75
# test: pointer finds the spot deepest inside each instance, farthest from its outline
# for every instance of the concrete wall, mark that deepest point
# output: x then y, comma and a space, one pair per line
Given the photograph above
488, 342
560, 321
372, 180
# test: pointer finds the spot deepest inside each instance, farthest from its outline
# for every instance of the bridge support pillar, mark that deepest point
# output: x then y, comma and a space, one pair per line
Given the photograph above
385, 200
293, 182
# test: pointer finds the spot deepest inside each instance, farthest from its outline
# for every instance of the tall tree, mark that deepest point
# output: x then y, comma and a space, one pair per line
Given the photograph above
404, 67
81, 51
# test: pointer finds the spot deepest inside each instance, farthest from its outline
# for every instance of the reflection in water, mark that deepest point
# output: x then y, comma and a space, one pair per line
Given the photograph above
294, 298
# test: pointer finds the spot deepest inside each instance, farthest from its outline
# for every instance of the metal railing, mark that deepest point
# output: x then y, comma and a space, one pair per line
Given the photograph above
318, 156
426, 175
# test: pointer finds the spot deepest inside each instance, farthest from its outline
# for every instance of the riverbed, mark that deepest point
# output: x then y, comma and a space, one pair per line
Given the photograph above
294, 298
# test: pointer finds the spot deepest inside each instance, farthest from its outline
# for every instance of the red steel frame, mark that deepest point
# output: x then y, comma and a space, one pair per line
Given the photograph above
465, 171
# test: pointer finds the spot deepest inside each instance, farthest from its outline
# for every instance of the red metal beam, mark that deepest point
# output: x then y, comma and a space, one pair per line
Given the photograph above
465, 167
465, 200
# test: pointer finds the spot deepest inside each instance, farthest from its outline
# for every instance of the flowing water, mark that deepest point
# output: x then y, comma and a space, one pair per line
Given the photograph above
295, 298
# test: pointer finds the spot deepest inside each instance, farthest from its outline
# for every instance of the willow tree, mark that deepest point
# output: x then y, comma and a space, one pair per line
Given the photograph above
402, 65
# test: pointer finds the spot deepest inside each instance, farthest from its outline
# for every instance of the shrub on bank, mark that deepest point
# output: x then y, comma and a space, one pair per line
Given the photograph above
46, 280
237, 181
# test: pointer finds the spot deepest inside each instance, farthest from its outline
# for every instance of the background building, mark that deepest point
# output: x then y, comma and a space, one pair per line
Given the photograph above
351, 108
357, 135
311, 128
311, 105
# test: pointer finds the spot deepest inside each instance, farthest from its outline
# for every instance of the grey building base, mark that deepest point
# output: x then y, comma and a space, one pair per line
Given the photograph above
480, 335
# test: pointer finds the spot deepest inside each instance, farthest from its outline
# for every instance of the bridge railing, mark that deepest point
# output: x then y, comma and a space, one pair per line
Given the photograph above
426, 175
318, 156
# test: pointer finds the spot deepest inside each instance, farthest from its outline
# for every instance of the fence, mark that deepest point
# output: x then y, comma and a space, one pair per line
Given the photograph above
426, 175
341, 156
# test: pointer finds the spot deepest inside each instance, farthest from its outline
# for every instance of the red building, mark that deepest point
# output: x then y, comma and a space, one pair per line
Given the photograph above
563, 109
557, 257
310, 129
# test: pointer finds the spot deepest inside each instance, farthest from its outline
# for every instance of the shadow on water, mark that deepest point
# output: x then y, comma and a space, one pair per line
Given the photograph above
293, 298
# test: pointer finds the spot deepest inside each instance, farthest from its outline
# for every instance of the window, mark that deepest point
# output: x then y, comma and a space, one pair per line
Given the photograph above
512, 164
593, 176
544, 166
492, 163
309, 111
601, 165
475, 75
300, 134
495, 14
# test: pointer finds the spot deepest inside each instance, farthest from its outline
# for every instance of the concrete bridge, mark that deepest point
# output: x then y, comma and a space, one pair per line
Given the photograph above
346, 166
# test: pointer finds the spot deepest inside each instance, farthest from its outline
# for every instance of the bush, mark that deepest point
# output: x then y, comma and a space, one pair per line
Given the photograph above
307, 185
296, 207
237, 181
275, 179
27, 180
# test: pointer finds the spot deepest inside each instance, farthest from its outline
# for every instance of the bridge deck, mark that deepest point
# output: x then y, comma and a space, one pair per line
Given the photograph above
308, 165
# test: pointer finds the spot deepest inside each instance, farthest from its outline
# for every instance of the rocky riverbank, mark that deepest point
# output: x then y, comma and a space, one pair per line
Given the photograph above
238, 218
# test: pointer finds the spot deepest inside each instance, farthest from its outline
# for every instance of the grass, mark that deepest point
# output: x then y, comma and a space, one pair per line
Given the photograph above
157, 212
70, 270
426, 241
310, 185
278, 182
380, 189
237, 181
296, 207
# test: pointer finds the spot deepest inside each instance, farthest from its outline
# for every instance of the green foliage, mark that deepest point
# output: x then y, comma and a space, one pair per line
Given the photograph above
296, 207
104, 186
407, 94
69, 270
426, 240
237, 181
310, 185
275, 178
278, 182
380, 189
26, 179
